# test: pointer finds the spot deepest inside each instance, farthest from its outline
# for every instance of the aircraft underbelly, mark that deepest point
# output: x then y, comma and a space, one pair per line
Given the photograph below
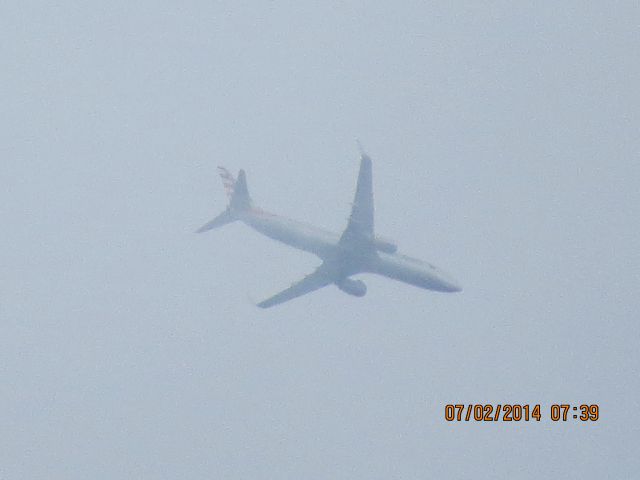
293, 235
395, 267
397, 271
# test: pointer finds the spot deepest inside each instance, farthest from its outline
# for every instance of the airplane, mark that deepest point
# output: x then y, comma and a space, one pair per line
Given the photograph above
356, 250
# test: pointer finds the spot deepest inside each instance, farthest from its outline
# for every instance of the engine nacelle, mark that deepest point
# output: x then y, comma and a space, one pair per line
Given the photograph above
385, 245
357, 288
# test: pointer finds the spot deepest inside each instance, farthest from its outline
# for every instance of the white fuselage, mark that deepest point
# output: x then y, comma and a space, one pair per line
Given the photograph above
324, 244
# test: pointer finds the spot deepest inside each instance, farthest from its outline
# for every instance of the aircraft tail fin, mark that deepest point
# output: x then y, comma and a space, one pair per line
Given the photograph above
239, 199
236, 189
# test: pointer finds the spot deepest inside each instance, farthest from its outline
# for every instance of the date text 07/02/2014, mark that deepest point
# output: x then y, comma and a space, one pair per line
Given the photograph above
561, 412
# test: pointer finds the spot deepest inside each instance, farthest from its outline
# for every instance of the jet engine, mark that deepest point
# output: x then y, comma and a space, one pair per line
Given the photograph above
357, 288
385, 245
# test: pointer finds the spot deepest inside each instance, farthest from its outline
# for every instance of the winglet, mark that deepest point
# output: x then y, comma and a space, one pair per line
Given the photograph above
361, 149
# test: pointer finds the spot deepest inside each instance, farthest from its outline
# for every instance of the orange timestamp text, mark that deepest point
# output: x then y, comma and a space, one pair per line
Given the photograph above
489, 412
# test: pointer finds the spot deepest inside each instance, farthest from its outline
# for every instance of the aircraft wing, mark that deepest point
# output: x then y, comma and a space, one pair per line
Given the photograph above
318, 279
360, 224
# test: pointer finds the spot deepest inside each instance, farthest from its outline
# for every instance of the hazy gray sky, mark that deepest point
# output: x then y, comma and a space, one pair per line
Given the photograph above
505, 147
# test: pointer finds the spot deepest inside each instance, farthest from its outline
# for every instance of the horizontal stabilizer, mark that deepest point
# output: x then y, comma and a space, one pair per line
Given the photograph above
222, 219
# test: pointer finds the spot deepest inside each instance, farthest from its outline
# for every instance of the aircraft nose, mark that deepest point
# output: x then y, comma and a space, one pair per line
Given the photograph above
449, 284
453, 287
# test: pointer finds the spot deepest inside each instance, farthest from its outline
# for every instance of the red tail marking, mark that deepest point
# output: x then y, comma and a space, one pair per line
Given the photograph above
228, 181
